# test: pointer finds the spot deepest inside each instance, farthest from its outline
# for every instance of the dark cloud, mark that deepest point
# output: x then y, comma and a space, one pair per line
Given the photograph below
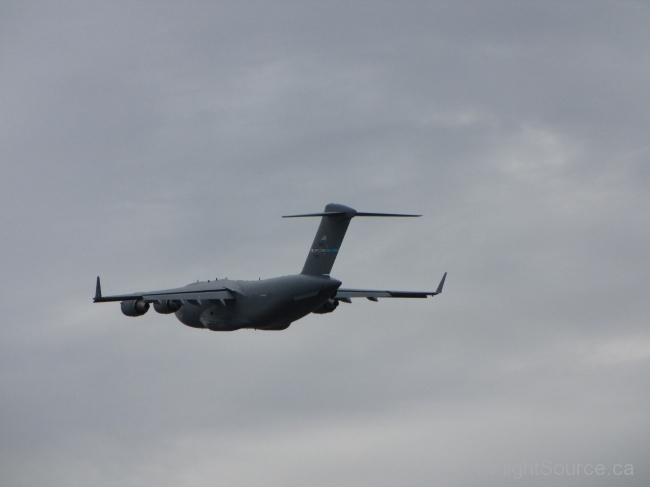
158, 143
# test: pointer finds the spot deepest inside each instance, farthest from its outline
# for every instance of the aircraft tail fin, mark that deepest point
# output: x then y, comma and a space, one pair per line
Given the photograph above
327, 242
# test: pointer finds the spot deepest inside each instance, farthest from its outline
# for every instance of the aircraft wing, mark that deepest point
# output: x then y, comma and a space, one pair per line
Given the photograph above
191, 297
372, 294
179, 294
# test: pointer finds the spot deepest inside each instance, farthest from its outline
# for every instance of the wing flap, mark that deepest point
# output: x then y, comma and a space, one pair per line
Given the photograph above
178, 294
373, 294
198, 296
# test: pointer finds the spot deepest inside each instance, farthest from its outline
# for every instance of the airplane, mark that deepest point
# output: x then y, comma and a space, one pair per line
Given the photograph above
269, 304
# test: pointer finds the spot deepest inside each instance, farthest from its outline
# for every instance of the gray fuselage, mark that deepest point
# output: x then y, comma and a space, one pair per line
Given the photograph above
270, 304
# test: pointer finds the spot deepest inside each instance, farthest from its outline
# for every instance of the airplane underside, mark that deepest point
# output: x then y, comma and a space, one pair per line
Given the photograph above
258, 308
223, 318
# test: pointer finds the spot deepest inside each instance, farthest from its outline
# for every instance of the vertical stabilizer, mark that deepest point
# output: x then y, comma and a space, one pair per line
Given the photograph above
333, 225
328, 240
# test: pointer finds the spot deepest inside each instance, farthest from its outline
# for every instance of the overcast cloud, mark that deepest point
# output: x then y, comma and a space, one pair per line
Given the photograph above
157, 143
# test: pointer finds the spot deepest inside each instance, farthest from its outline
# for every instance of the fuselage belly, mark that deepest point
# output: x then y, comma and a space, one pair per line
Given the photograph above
271, 304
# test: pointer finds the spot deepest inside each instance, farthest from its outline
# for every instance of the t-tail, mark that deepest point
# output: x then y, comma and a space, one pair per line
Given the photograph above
329, 237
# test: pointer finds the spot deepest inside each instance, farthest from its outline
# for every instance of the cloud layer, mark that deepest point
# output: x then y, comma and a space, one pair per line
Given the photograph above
158, 143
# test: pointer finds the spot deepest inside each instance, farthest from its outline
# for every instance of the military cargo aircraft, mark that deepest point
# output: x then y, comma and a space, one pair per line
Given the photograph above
269, 304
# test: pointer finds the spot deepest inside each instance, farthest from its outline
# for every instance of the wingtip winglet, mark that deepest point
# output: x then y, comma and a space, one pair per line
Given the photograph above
98, 291
442, 283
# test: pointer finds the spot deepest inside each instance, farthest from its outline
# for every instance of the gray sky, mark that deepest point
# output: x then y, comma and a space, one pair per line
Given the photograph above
158, 143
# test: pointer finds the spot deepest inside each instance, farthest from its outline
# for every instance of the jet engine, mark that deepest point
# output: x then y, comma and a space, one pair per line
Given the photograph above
134, 307
327, 307
166, 307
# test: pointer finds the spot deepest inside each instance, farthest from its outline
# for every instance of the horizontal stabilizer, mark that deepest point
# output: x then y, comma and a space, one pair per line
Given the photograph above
384, 214
326, 213
348, 214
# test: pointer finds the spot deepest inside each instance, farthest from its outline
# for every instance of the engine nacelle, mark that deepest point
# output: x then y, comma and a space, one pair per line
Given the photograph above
327, 307
135, 307
167, 307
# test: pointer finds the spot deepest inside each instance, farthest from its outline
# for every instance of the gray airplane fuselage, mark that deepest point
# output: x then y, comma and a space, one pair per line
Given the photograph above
269, 304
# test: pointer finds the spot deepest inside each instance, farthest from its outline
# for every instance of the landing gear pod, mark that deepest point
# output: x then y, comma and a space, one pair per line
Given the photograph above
327, 307
136, 307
